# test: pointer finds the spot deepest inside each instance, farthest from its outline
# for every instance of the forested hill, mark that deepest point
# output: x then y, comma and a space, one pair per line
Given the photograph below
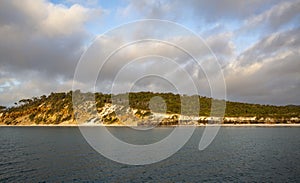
57, 107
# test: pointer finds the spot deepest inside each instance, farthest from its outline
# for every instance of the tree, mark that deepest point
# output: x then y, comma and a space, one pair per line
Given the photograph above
2, 108
31, 116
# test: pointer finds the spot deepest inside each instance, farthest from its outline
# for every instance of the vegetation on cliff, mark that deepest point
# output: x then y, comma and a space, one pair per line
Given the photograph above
57, 107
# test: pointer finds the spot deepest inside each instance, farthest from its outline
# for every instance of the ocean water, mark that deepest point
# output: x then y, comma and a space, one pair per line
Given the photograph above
239, 154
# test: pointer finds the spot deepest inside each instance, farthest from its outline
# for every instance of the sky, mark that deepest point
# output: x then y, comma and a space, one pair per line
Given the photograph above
256, 42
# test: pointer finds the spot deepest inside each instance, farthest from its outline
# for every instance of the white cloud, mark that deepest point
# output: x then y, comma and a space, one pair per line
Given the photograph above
62, 20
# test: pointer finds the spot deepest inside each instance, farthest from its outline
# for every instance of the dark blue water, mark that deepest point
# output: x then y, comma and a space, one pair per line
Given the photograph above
56, 154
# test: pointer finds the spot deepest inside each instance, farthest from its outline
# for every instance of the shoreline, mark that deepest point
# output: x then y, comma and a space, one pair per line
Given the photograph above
202, 125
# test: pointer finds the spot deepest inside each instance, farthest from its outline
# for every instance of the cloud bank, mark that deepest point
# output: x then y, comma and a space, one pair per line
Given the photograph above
257, 44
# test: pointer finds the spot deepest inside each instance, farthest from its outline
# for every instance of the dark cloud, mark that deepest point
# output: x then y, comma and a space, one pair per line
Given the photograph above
40, 40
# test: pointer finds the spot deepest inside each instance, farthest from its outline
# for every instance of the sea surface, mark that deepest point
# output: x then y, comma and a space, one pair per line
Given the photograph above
238, 154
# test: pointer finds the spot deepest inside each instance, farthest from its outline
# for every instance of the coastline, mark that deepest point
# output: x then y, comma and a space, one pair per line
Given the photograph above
201, 125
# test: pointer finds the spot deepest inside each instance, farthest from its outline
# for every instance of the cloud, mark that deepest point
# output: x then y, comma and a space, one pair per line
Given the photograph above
83, 2
222, 45
32, 84
271, 82
209, 11
257, 43
271, 45
276, 17
268, 71
43, 38
153, 58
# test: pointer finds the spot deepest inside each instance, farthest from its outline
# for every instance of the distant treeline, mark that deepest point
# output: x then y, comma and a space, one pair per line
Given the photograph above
57, 102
